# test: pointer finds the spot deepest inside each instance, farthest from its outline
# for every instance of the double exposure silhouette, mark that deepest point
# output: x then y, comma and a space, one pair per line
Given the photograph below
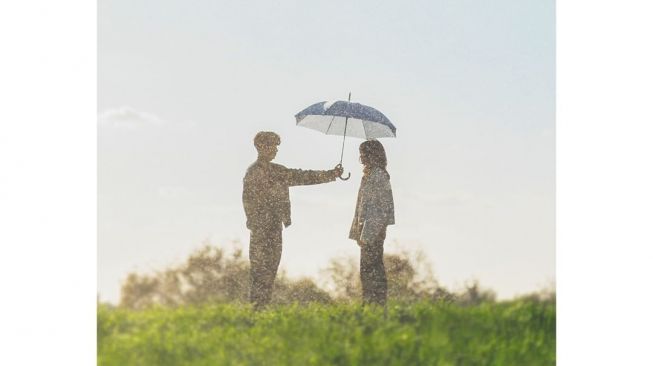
374, 212
266, 199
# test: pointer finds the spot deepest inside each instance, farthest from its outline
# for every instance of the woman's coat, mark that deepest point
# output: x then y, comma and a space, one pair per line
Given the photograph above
374, 207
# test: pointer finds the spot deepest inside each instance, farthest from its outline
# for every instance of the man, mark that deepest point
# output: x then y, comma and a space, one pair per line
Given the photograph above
266, 200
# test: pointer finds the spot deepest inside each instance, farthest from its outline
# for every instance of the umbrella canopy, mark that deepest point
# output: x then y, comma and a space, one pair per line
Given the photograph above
347, 119
359, 120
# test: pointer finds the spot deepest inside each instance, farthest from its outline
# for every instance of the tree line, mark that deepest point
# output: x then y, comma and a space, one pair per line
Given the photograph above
211, 274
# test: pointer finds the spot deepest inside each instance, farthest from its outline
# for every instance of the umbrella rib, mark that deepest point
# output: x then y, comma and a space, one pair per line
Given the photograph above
364, 129
328, 128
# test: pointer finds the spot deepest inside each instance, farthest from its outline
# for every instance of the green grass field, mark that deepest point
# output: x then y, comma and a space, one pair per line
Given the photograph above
520, 333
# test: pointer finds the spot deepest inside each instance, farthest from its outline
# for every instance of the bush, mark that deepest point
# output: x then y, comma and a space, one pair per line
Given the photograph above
210, 275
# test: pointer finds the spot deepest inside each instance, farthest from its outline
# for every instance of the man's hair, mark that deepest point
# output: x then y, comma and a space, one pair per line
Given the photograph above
373, 154
266, 138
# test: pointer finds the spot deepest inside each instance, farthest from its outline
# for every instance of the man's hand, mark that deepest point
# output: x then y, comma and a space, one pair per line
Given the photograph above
337, 171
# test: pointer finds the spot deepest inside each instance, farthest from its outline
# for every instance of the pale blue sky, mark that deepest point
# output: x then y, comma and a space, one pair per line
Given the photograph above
184, 86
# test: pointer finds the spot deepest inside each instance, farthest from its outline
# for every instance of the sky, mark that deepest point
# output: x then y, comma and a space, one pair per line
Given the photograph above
470, 85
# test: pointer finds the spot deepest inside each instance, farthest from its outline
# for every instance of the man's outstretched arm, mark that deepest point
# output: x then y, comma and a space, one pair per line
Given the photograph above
299, 177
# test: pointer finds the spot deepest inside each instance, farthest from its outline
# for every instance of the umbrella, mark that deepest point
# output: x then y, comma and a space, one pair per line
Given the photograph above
347, 119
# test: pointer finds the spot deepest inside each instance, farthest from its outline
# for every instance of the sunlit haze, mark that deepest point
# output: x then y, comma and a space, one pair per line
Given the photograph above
185, 86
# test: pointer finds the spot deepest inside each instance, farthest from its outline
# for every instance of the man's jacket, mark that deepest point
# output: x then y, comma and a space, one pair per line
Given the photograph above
374, 208
266, 197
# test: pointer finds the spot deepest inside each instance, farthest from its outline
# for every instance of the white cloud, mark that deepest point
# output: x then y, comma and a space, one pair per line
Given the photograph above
127, 117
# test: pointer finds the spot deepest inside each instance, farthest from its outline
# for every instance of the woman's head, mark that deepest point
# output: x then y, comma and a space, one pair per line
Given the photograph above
373, 154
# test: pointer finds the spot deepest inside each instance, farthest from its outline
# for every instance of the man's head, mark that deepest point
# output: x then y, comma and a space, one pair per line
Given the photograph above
266, 143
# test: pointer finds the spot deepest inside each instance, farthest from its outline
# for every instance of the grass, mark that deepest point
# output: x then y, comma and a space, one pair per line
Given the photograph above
509, 333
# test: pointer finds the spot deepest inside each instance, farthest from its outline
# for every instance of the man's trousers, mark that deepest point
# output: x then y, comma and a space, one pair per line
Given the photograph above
264, 258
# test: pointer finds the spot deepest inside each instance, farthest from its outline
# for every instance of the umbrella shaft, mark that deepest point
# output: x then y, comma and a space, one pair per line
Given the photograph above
344, 135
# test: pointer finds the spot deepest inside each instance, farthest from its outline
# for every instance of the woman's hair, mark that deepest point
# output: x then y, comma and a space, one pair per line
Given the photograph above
373, 154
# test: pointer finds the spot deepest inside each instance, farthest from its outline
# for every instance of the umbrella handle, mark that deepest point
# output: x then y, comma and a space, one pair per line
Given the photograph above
341, 175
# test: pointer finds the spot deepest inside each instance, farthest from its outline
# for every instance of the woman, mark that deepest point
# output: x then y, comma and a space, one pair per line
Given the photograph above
374, 212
